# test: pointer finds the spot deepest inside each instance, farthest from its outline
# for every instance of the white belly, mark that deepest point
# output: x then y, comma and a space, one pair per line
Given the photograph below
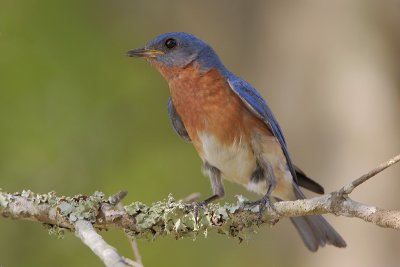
236, 162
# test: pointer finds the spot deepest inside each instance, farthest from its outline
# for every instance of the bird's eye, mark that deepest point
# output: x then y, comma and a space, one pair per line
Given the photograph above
170, 43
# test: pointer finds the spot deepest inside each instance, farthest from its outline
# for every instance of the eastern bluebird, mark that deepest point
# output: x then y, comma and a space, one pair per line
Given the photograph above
232, 128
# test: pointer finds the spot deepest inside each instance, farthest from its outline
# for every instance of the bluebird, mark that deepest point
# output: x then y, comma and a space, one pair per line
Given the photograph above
232, 129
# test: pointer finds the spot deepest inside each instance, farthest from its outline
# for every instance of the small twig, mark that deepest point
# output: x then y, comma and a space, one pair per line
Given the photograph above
346, 190
108, 254
191, 198
117, 198
116, 201
136, 251
134, 246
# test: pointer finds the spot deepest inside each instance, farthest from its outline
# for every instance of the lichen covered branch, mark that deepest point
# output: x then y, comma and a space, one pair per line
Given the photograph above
170, 217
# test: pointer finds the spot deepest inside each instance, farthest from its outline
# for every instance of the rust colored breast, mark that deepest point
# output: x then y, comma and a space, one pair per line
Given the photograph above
207, 104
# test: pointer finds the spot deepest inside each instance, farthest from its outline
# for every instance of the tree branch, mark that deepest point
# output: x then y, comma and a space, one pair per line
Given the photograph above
108, 254
83, 214
350, 187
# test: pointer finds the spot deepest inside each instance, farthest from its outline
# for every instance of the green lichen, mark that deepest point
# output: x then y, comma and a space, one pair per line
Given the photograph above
80, 207
73, 208
172, 217
49, 198
26, 194
55, 230
163, 217
52, 199
167, 217
4, 200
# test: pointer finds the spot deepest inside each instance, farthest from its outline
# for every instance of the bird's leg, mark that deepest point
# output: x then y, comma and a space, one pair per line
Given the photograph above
270, 179
265, 201
216, 185
209, 200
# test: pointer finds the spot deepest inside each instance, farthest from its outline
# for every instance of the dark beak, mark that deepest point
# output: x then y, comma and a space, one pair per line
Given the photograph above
145, 53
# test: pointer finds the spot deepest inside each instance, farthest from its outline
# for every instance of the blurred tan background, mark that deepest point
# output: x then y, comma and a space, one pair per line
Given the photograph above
77, 115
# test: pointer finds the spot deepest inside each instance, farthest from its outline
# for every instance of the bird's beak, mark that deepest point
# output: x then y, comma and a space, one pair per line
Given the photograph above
145, 53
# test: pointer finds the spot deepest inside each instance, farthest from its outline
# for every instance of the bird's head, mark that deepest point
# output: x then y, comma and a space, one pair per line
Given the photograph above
177, 49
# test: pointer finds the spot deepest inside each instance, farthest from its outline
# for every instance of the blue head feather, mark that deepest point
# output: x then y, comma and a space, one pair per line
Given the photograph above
188, 48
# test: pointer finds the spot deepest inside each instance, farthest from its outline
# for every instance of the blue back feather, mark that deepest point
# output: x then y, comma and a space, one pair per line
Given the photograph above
254, 101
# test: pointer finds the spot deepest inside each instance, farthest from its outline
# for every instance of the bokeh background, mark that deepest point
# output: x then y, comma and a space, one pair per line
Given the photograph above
77, 115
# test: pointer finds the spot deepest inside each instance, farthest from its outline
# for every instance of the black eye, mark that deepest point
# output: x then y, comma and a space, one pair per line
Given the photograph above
170, 43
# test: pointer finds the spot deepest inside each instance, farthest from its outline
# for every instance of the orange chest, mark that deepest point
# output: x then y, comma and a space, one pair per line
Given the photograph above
207, 104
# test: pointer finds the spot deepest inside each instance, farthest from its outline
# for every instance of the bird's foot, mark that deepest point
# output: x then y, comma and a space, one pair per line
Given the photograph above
262, 204
196, 207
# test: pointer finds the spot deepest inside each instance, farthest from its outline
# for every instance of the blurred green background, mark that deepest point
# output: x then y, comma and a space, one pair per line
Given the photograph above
77, 115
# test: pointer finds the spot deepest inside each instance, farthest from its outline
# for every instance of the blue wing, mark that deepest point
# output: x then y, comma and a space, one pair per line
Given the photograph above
177, 123
259, 107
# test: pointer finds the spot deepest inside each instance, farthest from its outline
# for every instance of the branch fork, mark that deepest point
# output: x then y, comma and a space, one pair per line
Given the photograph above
85, 214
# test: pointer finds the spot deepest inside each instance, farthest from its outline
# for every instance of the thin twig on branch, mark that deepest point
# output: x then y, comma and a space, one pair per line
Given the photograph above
108, 254
350, 187
177, 219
